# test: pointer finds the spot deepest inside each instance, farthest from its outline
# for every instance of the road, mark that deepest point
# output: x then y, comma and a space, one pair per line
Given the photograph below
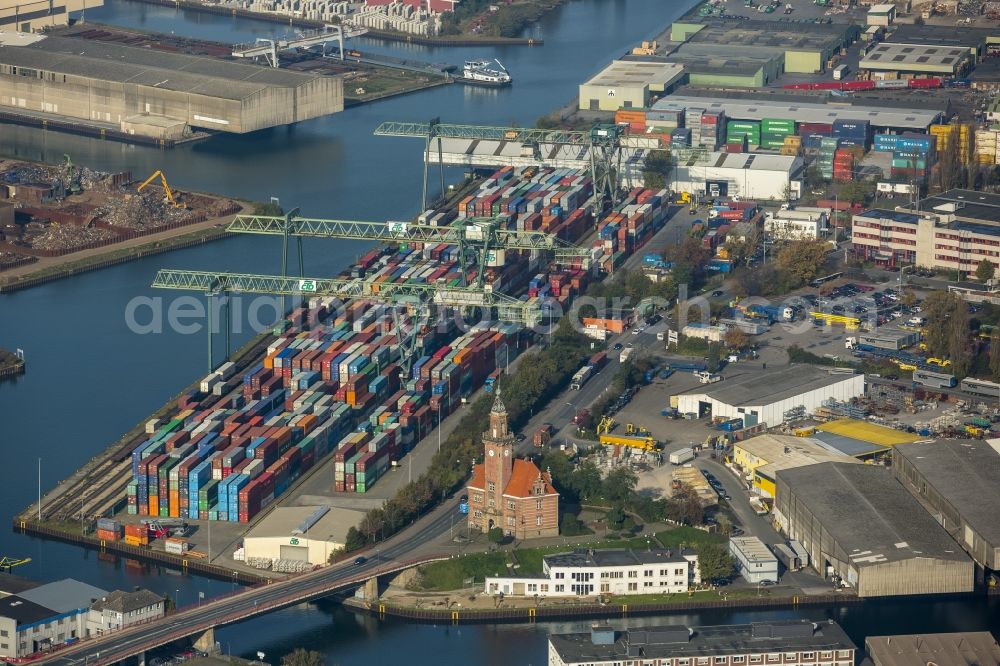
411, 546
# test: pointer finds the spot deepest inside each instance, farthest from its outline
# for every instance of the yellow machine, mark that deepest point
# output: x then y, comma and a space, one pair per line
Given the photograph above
606, 425
942, 362
168, 194
683, 198
646, 443
8, 563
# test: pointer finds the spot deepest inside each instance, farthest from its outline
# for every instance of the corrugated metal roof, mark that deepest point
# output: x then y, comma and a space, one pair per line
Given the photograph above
64, 595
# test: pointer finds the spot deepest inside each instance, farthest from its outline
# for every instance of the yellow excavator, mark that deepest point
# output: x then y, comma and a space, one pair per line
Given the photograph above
606, 425
168, 194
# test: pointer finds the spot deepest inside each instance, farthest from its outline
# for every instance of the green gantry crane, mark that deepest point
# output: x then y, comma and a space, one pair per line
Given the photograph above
604, 143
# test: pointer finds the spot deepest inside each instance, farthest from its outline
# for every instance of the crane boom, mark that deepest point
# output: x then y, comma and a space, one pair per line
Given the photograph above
508, 308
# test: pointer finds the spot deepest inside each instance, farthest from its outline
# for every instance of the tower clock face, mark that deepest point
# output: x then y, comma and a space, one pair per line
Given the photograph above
506, 452
492, 453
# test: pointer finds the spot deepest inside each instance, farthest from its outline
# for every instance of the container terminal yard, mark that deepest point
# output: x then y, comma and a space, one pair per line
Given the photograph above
360, 385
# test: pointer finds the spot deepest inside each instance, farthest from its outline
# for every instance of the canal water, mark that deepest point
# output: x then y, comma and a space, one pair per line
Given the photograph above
90, 377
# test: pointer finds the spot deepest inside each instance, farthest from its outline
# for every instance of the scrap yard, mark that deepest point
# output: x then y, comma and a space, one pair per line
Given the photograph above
51, 214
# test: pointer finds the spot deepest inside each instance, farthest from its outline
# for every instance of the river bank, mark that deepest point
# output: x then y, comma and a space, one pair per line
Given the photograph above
388, 35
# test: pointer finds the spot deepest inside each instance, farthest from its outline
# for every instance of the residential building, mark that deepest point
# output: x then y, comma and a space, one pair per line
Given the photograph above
120, 609
585, 573
959, 483
513, 495
802, 222
861, 528
965, 648
754, 560
955, 230
34, 15
44, 617
791, 643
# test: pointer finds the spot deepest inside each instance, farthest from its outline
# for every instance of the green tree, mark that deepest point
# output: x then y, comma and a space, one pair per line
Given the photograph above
302, 657
267, 208
616, 517
714, 356
572, 526
715, 562
908, 298
619, 485
801, 260
495, 535
995, 353
656, 169
985, 270
736, 339
587, 480
354, 540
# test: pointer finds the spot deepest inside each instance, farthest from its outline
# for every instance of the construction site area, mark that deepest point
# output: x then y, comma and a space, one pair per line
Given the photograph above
51, 213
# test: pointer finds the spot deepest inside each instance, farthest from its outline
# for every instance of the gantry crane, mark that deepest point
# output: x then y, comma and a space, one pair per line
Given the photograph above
415, 296
8, 563
604, 144
483, 235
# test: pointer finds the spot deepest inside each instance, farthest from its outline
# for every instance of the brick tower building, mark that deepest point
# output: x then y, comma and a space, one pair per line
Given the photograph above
507, 493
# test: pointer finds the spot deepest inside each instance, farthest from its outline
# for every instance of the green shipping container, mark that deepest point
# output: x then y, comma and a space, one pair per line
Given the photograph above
743, 124
910, 164
778, 124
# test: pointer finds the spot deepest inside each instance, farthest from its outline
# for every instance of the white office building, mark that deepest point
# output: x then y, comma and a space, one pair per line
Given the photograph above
593, 572
801, 223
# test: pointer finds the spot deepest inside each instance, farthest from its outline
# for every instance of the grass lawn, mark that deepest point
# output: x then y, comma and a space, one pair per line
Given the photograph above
702, 595
687, 536
451, 574
530, 559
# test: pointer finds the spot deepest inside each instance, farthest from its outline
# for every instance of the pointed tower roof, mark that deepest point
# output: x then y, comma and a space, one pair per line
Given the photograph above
498, 406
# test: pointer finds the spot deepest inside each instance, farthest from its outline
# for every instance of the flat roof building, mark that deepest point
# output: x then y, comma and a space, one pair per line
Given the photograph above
882, 15
300, 533
801, 222
954, 230
755, 107
799, 642
771, 397
959, 482
760, 458
34, 15
890, 60
728, 65
155, 91
628, 84
965, 648
754, 560
800, 48
861, 528
749, 175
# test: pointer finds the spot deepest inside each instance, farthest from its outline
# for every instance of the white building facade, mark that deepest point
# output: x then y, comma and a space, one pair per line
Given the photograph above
754, 560
595, 572
121, 609
803, 223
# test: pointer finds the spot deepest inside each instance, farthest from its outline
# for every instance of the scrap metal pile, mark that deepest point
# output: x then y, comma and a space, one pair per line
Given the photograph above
65, 236
144, 210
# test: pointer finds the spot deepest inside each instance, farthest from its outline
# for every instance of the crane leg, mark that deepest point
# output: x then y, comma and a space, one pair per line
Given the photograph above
211, 364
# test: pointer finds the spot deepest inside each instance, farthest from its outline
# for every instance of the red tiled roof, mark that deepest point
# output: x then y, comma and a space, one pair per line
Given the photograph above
523, 477
478, 478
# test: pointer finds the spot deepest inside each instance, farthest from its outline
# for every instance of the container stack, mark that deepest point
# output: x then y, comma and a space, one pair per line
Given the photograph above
843, 165
737, 130
109, 530
713, 125
680, 137
812, 134
664, 121
824, 160
136, 535
774, 131
986, 146
692, 120
853, 133
634, 118
626, 229
791, 146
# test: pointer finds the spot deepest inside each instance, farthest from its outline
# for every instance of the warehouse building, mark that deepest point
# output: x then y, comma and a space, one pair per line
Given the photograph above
34, 15
860, 439
959, 482
155, 93
629, 84
980, 42
300, 534
749, 175
965, 648
45, 616
954, 230
863, 529
793, 642
890, 60
754, 560
753, 107
717, 65
760, 458
798, 48
772, 397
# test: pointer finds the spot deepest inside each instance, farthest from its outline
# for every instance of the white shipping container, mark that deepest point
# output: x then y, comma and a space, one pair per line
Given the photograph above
176, 546
208, 383
226, 370
152, 425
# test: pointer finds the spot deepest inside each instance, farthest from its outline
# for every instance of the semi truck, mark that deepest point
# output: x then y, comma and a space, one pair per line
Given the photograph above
681, 456
581, 377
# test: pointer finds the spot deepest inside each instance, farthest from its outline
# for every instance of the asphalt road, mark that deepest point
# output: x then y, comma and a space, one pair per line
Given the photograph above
404, 549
